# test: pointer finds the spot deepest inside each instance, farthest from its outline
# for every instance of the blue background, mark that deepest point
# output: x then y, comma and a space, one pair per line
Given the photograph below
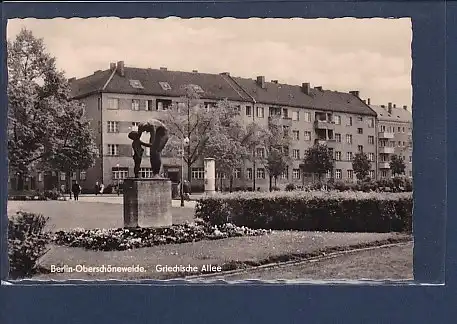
435, 180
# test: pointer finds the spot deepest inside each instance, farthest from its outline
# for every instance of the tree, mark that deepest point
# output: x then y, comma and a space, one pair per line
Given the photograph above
276, 164
318, 160
361, 166
38, 97
397, 165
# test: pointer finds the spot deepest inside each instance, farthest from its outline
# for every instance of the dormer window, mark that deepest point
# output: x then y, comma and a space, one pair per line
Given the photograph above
196, 88
165, 86
136, 84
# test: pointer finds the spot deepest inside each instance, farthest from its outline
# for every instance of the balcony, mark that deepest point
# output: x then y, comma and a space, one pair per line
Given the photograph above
385, 135
328, 142
386, 150
285, 121
384, 165
323, 124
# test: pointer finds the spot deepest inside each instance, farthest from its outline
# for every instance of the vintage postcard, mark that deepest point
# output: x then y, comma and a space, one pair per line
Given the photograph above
207, 149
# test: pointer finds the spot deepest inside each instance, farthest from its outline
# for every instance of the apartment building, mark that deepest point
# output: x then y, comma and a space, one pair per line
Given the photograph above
120, 97
394, 137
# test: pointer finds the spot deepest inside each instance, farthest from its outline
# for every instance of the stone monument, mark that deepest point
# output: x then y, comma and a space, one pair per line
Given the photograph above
210, 175
147, 202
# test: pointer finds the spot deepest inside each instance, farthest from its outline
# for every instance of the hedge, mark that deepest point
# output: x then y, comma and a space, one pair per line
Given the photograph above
311, 211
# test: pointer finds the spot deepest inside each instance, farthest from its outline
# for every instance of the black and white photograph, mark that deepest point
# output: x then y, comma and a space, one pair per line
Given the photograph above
210, 149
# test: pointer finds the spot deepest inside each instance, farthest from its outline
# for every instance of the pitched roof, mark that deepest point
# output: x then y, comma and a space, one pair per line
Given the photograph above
293, 95
397, 115
218, 86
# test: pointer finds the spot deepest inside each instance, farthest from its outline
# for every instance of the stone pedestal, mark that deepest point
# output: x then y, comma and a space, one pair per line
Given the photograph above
210, 176
147, 202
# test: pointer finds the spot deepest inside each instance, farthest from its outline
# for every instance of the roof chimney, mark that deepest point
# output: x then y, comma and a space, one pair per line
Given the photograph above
274, 81
354, 93
395, 105
112, 66
163, 69
389, 107
383, 106
305, 88
225, 73
368, 101
405, 107
318, 88
195, 71
261, 81
120, 68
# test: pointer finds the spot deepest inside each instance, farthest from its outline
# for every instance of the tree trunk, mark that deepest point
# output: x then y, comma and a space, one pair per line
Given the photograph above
271, 183
221, 184
20, 182
231, 183
189, 172
276, 178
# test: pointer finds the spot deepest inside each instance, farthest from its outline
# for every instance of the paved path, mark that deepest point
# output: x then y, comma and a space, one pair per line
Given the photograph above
114, 199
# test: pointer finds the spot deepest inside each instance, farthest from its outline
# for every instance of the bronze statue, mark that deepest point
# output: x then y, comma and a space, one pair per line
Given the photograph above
157, 141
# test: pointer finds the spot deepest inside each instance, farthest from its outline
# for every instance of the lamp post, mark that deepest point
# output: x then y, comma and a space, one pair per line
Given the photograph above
185, 142
118, 178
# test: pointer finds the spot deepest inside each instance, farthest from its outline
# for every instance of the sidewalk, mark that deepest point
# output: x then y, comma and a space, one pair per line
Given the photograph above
115, 199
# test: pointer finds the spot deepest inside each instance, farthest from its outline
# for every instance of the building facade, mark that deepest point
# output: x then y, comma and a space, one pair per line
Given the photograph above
118, 98
394, 137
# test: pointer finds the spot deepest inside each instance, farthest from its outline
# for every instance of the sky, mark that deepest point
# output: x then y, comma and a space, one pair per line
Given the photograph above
369, 55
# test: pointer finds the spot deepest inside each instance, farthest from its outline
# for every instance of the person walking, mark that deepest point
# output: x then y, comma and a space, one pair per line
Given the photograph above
76, 189
97, 188
102, 188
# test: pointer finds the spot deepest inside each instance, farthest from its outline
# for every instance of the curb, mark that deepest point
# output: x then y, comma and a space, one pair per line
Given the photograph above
297, 262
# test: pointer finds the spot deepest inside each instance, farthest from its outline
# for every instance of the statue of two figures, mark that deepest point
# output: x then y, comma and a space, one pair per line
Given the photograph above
158, 139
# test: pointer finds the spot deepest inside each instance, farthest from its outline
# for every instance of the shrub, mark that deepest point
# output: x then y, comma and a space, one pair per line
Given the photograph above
274, 188
27, 243
311, 211
290, 187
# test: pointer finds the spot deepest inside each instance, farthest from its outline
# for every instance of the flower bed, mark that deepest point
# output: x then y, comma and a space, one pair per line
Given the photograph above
311, 211
123, 239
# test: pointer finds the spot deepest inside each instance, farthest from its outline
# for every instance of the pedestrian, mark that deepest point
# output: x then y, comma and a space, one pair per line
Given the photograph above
97, 188
186, 189
102, 188
76, 189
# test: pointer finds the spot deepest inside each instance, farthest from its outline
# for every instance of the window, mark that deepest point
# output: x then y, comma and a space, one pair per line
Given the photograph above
404, 144
260, 152
295, 115
248, 111
113, 149
165, 86
296, 135
349, 121
62, 176
148, 105
360, 148
260, 112
329, 174
359, 130
370, 139
135, 104
349, 156
113, 127
371, 157
285, 174
338, 173
307, 136
350, 174
249, 173
135, 126
371, 174
399, 143
383, 128
260, 173
370, 122
383, 173
113, 103
337, 120
196, 88
237, 174
285, 130
296, 154
40, 176
359, 118
145, 173
296, 174
220, 175
349, 139
338, 138
73, 176
399, 129
122, 174
384, 157
162, 104
330, 151
285, 113
82, 175
136, 84
198, 173
338, 156
403, 130
307, 116
410, 158
274, 111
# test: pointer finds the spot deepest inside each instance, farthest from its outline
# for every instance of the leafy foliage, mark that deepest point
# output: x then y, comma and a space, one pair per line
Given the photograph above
276, 164
318, 160
311, 211
45, 126
361, 166
27, 243
397, 165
